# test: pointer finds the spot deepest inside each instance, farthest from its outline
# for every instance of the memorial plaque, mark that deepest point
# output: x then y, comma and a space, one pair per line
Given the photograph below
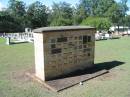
56, 51
63, 39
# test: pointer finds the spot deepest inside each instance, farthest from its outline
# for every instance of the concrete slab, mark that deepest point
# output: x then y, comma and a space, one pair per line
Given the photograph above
63, 83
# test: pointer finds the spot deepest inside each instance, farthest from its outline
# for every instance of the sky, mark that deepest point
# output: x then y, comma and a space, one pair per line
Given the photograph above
4, 3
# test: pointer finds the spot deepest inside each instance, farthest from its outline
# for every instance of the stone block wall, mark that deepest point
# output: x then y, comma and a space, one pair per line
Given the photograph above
66, 51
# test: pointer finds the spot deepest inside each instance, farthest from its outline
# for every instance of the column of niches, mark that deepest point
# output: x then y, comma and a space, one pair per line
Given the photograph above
92, 46
85, 49
69, 53
51, 67
80, 49
58, 41
66, 53
72, 43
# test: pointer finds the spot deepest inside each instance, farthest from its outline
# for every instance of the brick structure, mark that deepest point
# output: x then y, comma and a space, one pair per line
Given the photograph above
64, 49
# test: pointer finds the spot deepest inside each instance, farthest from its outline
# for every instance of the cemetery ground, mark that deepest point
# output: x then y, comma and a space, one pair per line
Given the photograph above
114, 55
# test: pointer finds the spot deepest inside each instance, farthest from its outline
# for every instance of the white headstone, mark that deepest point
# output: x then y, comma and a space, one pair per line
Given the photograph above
8, 40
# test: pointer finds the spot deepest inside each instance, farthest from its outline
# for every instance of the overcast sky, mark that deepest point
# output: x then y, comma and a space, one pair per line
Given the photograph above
4, 3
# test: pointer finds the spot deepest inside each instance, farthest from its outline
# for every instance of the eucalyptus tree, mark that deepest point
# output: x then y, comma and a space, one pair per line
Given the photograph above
17, 10
99, 23
37, 14
127, 21
96, 7
9, 24
62, 14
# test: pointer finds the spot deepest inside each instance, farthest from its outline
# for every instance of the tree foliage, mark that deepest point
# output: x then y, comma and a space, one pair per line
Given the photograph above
115, 14
9, 24
124, 6
16, 8
98, 13
127, 20
37, 15
102, 7
98, 22
12, 20
79, 14
96, 7
61, 14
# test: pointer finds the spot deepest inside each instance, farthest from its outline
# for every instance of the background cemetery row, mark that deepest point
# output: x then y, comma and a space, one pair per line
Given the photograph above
27, 36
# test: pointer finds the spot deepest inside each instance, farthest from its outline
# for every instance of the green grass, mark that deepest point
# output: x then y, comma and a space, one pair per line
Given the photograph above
16, 59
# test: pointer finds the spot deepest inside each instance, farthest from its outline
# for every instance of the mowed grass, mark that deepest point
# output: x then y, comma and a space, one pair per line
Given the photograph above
17, 59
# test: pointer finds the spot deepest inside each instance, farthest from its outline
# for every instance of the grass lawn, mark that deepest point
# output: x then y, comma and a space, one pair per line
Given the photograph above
16, 59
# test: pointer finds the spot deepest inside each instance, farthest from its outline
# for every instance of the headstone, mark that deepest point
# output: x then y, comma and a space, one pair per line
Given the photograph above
107, 36
8, 40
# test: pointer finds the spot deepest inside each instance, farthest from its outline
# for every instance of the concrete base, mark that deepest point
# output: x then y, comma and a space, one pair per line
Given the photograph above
63, 83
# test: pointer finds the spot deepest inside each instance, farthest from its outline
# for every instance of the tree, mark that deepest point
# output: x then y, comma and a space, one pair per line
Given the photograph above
61, 14
102, 6
98, 22
124, 6
37, 15
127, 21
9, 24
79, 14
124, 9
89, 6
17, 10
115, 14
96, 7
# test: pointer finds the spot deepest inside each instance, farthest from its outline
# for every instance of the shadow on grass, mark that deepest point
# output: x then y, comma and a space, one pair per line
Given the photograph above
96, 68
109, 39
13, 43
115, 38
101, 39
